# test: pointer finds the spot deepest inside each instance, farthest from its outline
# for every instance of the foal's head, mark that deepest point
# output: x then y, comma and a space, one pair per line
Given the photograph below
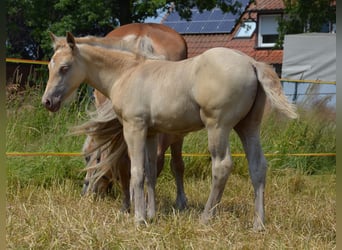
65, 72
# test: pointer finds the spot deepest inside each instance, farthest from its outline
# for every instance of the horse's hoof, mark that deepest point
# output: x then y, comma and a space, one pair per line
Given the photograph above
205, 218
181, 204
140, 220
258, 226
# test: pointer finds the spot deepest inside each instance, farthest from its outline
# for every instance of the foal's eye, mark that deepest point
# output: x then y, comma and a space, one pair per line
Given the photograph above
63, 69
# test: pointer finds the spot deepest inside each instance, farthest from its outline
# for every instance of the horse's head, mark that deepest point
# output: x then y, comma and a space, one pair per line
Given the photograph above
65, 72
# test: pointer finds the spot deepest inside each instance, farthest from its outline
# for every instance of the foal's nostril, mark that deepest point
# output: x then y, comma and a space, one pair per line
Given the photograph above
47, 103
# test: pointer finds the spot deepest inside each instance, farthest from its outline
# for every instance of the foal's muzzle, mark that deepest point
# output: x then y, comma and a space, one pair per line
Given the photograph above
51, 103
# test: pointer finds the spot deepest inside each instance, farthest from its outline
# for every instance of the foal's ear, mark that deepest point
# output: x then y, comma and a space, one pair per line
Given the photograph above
54, 40
53, 37
70, 40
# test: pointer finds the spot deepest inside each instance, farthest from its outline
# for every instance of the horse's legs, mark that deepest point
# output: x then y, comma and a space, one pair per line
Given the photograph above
124, 173
257, 170
163, 144
135, 137
221, 167
177, 165
249, 132
151, 174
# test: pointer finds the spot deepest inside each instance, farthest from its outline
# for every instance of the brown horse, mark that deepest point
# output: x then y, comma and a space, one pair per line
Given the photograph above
168, 44
219, 90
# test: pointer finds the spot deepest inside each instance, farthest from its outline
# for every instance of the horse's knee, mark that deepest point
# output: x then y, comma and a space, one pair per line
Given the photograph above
222, 168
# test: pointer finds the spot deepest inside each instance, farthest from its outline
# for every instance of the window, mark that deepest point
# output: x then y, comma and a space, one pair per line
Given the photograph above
268, 34
246, 29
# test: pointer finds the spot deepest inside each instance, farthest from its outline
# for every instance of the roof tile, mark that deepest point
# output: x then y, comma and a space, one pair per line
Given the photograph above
270, 4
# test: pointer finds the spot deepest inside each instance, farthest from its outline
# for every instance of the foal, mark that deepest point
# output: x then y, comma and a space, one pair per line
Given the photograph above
219, 90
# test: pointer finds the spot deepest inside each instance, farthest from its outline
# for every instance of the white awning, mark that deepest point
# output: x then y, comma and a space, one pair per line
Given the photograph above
310, 56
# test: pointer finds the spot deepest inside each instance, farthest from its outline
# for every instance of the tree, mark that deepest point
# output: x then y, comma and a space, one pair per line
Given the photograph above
29, 21
306, 16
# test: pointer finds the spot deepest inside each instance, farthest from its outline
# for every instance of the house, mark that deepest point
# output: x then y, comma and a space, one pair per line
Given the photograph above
252, 31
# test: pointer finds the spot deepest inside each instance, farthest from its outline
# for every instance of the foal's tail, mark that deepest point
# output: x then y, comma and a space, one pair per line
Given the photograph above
270, 82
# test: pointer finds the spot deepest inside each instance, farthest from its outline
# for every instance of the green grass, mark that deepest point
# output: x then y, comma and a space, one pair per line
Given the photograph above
45, 209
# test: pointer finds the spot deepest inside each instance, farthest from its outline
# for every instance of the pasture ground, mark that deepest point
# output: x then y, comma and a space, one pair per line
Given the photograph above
45, 209
300, 214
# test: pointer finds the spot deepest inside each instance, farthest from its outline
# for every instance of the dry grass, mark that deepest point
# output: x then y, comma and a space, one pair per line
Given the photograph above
45, 209
300, 214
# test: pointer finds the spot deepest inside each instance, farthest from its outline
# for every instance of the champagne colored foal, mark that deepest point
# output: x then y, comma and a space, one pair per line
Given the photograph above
219, 90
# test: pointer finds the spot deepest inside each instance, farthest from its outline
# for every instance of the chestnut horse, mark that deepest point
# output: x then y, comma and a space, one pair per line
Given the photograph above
220, 90
168, 44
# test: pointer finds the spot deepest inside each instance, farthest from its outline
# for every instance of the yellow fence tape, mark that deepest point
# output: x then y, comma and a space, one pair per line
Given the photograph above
308, 81
16, 60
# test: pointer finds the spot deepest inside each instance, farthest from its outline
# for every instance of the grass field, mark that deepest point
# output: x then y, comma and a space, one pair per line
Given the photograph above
45, 209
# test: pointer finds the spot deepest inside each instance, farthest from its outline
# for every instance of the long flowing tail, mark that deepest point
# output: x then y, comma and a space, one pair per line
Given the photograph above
270, 82
105, 130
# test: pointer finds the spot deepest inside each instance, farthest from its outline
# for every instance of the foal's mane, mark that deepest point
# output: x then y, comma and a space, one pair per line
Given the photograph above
142, 46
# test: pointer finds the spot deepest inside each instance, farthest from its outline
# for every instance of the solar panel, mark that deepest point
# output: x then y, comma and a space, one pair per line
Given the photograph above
181, 27
211, 27
209, 21
196, 27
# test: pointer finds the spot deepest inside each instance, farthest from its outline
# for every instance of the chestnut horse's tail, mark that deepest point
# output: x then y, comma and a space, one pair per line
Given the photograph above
106, 132
270, 82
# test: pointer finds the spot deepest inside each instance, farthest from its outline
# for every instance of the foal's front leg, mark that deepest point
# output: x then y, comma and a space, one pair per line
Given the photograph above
135, 137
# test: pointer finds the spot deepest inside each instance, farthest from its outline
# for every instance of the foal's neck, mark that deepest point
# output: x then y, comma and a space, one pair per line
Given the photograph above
105, 66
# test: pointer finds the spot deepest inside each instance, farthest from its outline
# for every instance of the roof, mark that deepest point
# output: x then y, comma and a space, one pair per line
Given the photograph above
269, 5
206, 21
197, 44
200, 42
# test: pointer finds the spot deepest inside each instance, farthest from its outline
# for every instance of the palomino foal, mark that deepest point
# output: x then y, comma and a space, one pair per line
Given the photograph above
219, 90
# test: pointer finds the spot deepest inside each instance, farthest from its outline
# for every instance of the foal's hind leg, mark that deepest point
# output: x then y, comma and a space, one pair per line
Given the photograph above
257, 170
177, 165
249, 132
151, 174
221, 167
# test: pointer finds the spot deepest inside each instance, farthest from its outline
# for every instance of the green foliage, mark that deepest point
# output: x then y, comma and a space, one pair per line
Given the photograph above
305, 16
310, 134
28, 22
